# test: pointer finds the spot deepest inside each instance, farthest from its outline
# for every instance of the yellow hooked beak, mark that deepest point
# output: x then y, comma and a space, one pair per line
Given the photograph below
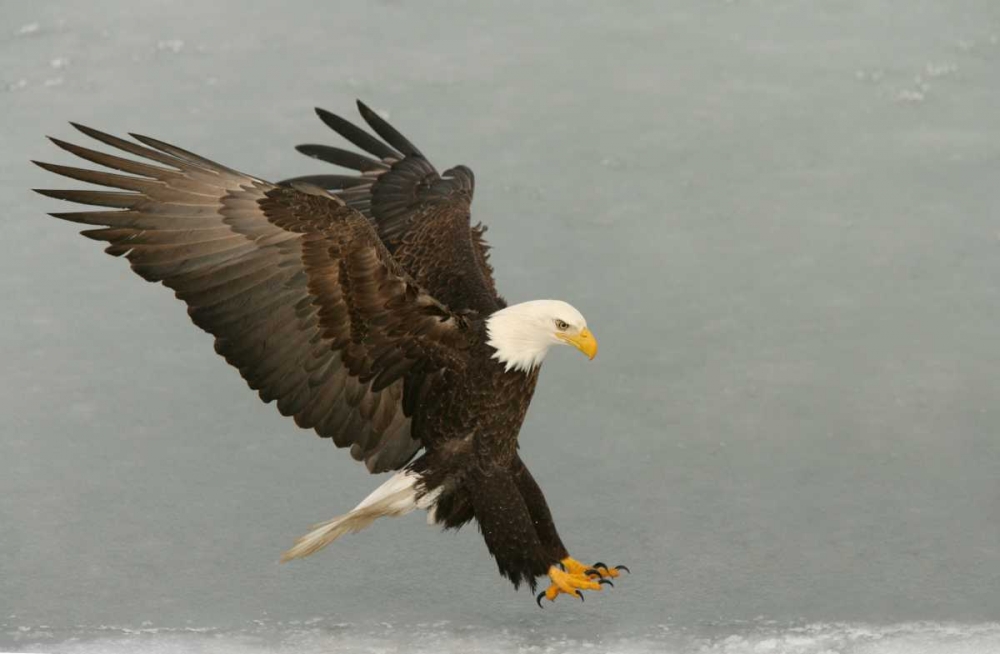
584, 341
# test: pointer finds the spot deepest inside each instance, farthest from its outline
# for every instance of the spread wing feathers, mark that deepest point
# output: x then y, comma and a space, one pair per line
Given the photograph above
298, 290
396, 182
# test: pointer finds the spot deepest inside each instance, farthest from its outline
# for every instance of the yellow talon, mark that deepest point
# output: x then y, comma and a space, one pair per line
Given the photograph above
597, 570
569, 581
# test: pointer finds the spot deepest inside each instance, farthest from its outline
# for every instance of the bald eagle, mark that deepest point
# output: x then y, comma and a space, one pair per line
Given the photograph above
365, 306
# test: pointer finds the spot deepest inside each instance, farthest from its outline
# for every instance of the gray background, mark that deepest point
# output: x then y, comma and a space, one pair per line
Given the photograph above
780, 219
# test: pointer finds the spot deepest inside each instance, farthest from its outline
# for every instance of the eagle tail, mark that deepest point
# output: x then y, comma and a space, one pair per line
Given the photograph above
397, 496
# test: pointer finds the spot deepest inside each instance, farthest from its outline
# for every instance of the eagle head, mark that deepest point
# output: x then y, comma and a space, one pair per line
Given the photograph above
522, 333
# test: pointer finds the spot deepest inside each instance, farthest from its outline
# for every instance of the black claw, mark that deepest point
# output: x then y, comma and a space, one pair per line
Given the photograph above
539, 599
580, 595
623, 567
593, 571
600, 564
561, 566
606, 581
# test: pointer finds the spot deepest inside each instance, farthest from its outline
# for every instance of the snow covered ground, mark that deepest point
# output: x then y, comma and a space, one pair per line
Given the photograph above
779, 217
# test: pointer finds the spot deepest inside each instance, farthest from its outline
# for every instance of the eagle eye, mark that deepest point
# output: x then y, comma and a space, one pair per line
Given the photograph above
561, 325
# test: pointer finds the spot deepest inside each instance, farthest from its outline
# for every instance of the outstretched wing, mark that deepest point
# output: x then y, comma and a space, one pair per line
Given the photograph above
395, 187
298, 290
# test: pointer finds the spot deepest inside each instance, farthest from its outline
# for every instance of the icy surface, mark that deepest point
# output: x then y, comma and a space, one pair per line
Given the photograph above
780, 219
315, 636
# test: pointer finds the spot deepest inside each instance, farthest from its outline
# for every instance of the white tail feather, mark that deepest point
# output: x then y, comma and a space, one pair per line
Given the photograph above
396, 497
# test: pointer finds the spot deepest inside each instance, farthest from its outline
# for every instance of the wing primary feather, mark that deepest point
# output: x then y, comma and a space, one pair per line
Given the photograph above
97, 198
132, 219
388, 132
357, 136
185, 155
110, 160
341, 157
127, 146
98, 177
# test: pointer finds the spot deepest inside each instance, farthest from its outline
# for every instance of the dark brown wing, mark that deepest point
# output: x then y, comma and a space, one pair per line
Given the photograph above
298, 290
396, 187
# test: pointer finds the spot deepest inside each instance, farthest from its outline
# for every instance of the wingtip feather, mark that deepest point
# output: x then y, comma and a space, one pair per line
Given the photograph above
390, 134
364, 110
50, 167
89, 131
